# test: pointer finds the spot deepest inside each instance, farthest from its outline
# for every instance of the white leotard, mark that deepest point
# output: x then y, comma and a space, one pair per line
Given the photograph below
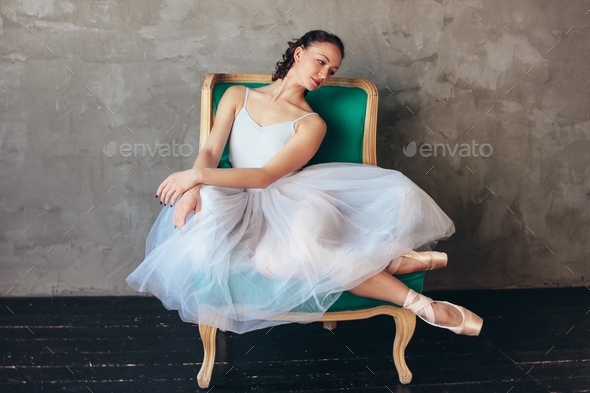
251, 145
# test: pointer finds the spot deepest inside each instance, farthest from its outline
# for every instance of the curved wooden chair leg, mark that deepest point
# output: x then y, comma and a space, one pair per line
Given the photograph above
208, 337
330, 325
405, 325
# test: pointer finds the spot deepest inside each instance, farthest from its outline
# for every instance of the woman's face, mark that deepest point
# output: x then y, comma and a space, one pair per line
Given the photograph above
315, 65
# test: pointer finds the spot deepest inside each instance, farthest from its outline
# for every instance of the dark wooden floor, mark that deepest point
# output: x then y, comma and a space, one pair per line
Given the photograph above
532, 341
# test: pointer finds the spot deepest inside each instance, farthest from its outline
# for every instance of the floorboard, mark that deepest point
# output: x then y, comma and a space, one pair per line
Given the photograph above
532, 341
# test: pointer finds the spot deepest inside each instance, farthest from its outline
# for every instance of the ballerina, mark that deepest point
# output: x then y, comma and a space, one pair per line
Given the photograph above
239, 246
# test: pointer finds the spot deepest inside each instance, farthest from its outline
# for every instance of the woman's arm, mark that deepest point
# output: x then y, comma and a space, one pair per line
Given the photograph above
209, 155
296, 153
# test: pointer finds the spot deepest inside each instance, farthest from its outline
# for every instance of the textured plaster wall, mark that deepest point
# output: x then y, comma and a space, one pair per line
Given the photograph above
76, 76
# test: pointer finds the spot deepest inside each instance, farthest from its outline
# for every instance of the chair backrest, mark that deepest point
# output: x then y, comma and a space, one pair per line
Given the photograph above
347, 105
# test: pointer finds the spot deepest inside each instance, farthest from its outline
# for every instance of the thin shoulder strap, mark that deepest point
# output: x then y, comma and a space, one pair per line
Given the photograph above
246, 96
304, 116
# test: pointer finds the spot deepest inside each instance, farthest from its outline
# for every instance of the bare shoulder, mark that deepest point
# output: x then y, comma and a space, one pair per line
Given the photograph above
313, 123
232, 100
235, 94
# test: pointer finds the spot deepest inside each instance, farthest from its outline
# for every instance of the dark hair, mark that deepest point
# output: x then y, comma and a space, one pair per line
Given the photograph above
306, 41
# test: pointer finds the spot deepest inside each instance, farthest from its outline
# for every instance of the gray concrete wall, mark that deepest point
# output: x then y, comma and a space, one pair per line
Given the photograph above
77, 76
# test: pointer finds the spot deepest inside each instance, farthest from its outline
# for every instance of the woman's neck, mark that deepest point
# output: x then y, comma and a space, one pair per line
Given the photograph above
286, 89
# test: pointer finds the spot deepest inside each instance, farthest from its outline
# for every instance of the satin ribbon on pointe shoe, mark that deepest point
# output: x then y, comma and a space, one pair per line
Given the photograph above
471, 325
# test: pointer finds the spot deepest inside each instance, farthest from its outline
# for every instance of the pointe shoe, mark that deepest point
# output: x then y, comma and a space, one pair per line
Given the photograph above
471, 325
431, 259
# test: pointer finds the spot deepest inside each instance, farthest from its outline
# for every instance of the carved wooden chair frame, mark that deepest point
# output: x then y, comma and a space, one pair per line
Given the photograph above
405, 321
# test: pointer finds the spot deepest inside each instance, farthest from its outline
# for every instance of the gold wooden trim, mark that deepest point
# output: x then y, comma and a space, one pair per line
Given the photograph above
208, 334
405, 325
370, 134
330, 325
351, 315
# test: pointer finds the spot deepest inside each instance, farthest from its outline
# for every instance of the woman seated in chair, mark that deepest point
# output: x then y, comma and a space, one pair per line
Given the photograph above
238, 247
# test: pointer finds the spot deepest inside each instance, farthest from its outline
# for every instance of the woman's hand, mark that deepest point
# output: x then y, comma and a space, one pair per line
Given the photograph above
190, 201
177, 184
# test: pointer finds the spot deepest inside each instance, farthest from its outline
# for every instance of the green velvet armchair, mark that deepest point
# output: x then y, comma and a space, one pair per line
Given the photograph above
349, 108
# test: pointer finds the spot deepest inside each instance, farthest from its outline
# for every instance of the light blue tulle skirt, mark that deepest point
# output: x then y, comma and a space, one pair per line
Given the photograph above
255, 258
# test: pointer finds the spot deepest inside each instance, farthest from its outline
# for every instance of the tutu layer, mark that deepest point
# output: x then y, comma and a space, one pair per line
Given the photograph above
251, 256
